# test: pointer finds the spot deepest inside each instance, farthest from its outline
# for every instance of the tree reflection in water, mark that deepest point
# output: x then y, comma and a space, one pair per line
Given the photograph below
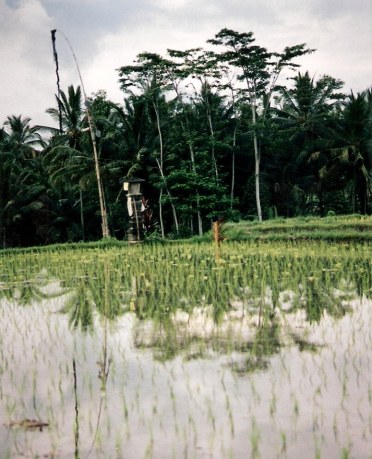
151, 338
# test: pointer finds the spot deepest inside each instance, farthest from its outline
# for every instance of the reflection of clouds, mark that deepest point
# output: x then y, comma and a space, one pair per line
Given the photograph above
195, 405
32, 290
245, 320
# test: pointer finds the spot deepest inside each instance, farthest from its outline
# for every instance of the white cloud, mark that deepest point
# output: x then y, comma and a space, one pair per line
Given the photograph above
107, 34
23, 54
173, 5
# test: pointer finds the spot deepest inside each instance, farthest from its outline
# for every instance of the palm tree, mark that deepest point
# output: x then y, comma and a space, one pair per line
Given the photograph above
65, 149
71, 114
23, 137
75, 121
357, 123
306, 109
71, 148
305, 116
18, 193
350, 161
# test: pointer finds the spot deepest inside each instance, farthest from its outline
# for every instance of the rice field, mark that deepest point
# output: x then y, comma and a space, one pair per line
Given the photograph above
253, 350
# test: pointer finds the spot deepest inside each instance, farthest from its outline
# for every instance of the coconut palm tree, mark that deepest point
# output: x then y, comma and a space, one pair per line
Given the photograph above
306, 109
18, 192
305, 116
69, 154
70, 112
349, 163
75, 121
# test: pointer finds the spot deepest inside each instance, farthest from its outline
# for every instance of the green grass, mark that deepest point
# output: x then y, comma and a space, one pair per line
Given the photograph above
357, 228
335, 228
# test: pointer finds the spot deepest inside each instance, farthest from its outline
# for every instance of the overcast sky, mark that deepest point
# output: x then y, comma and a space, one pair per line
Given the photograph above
107, 34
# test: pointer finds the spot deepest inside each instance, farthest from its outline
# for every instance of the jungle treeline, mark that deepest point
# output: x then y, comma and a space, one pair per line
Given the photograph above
234, 131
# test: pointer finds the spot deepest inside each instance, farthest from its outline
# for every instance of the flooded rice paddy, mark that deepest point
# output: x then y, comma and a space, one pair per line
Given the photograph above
177, 351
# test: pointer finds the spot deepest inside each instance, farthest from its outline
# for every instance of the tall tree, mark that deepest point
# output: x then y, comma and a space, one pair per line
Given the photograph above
206, 126
356, 133
259, 69
350, 159
149, 76
306, 114
18, 142
75, 121
202, 66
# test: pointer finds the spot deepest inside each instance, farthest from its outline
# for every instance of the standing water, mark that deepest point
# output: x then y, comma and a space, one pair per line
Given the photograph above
170, 352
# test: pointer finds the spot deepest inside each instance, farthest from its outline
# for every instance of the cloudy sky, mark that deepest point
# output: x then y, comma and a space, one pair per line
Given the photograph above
107, 34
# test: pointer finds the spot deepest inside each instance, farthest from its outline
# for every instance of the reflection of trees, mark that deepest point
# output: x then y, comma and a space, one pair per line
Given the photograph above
26, 290
243, 298
106, 309
80, 306
266, 342
253, 340
257, 306
316, 298
76, 427
235, 289
96, 291
104, 368
315, 285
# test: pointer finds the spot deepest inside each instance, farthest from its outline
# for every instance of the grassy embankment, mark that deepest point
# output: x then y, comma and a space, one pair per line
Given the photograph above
350, 228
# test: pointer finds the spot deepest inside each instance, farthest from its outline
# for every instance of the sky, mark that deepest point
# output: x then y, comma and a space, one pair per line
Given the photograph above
107, 34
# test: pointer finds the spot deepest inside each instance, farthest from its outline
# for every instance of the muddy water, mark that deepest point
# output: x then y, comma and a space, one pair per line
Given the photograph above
112, 391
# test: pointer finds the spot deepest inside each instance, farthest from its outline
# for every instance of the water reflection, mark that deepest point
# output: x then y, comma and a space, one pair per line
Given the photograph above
204, 357
193, 326
25, 289
234, 303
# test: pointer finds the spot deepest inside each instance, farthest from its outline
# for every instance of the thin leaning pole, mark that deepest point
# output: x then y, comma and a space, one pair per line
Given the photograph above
55, 55
101, 195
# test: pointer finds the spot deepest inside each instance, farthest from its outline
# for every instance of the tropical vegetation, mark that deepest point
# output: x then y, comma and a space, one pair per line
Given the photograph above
214, 134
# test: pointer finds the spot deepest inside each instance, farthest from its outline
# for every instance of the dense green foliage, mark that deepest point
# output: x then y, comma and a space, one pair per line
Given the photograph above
207, 145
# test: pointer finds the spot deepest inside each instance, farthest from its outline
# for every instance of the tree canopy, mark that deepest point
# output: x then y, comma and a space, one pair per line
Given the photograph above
215, 133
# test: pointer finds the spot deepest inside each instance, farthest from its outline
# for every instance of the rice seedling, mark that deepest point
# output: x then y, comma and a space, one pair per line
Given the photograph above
255, 440
172, 339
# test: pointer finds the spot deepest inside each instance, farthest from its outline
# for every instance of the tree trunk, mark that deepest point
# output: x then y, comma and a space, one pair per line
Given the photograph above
193, 166
257, 178
171, 202
209, 116
82, 213
160, 165
101, 196
192, 160
2, 235
233, 171
161, 215
256, 164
